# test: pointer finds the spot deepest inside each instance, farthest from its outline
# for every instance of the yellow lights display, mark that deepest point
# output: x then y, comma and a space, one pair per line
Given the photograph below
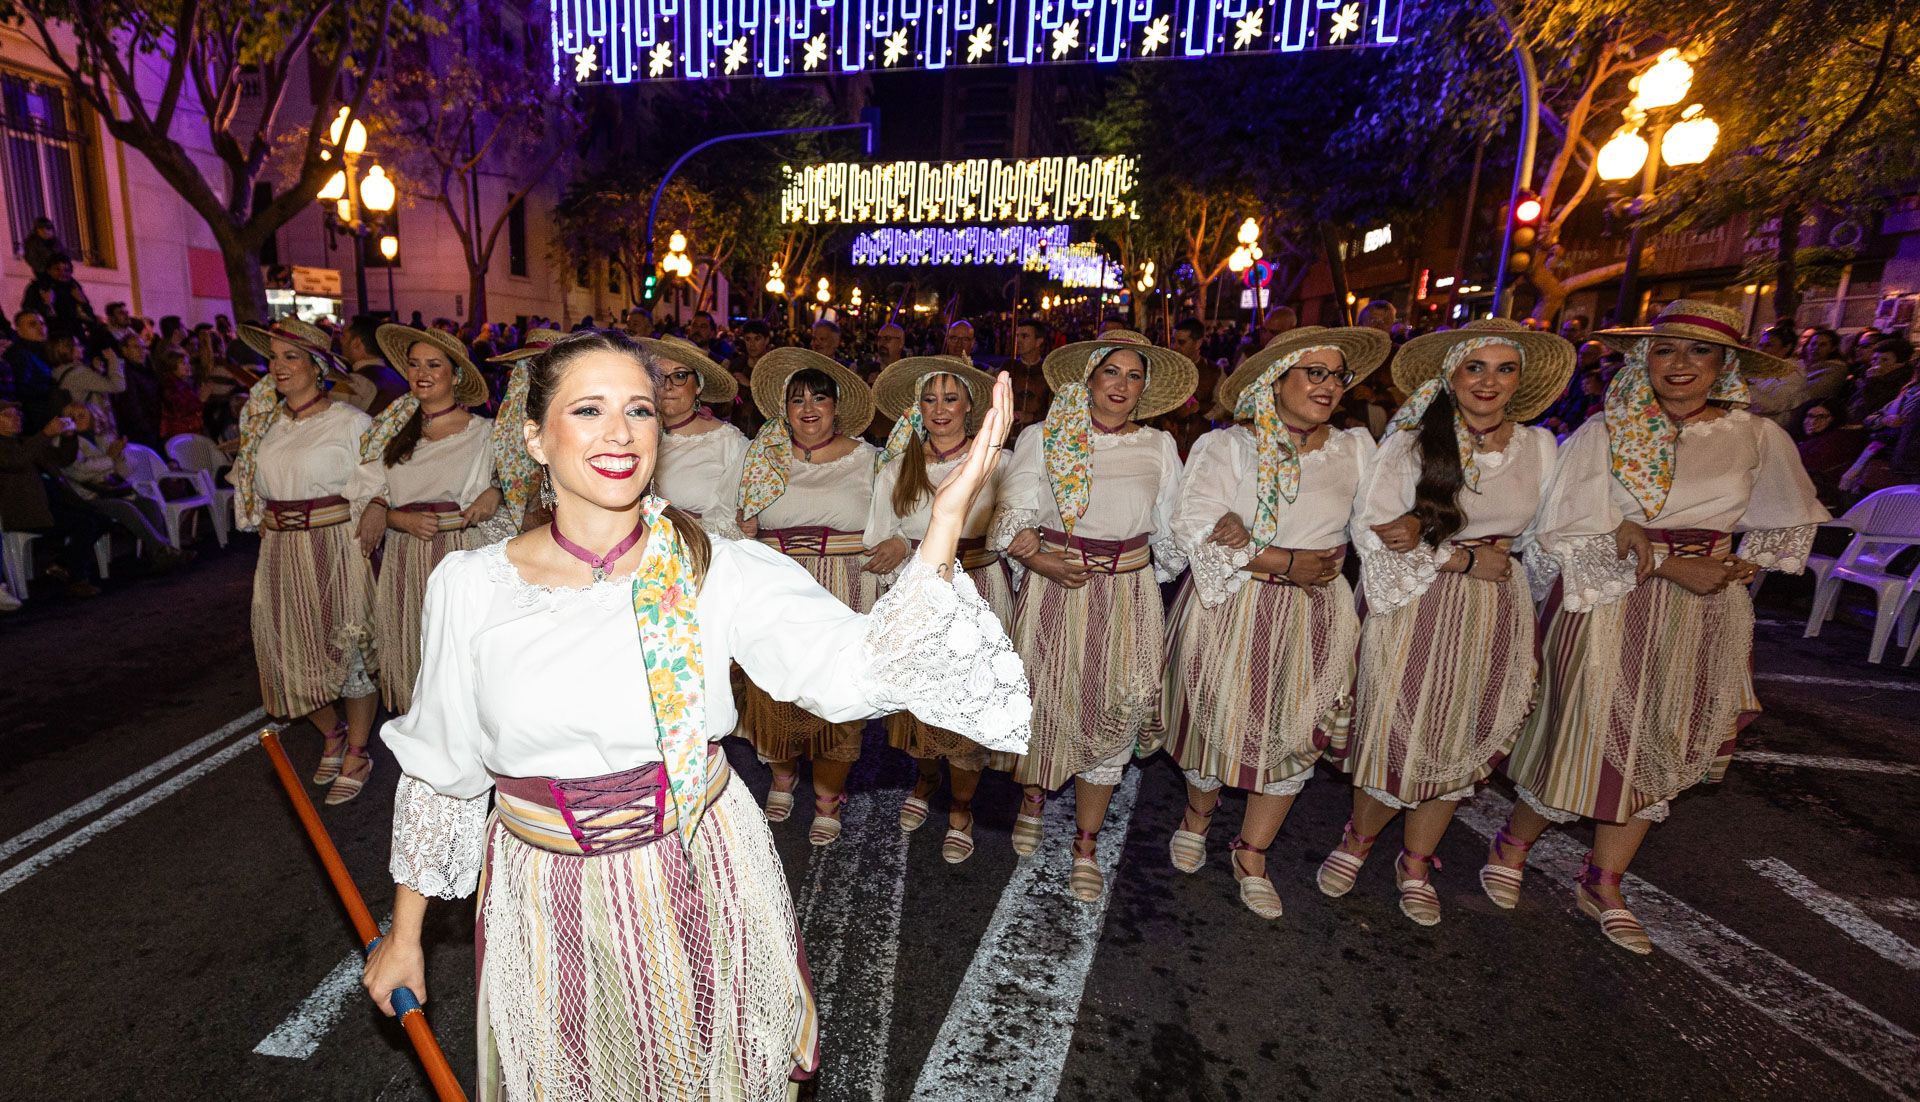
1042, 189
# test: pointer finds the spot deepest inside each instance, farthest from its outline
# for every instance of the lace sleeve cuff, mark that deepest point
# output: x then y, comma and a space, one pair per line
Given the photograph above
1592, 576
1008, 523
1169, 558
1218, 570
935, 649
1782, 549
1391, 579
1542, 571
438, 841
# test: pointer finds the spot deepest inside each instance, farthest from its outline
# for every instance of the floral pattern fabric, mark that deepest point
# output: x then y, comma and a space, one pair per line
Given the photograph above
1278, 470
664, 600
763, 477
513, 467
373, 443
1408, 418
263, 404
1641, 437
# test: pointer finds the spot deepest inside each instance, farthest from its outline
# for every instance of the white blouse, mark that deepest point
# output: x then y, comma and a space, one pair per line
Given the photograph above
313, 457
457, 468
526, 681
1222, 476
700, 472
883, 524
1737, 473
835, 495
1135, 485
1511, 483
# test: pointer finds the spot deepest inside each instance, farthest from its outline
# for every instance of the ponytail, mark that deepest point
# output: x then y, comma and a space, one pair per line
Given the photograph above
913, 483
400, 448
1436, 496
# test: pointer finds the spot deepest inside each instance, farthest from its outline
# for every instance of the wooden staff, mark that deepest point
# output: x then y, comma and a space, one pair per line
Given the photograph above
412, 1018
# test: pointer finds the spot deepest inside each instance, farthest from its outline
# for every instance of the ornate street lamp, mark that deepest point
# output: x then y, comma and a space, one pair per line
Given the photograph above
1682, 137
360, 205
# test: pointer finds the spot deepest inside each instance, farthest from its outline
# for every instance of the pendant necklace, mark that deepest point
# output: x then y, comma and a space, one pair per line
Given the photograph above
808, 452
295, 411
599, 563
940, 456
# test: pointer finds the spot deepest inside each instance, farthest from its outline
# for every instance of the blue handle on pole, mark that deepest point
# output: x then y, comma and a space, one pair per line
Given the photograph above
402, 998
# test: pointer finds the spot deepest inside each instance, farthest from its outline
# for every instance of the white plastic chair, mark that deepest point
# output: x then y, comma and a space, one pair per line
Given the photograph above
145, 470
16, 559
1888, 523
196, 453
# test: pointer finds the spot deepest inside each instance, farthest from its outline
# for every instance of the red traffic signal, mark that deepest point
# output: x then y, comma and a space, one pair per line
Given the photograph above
1528, 210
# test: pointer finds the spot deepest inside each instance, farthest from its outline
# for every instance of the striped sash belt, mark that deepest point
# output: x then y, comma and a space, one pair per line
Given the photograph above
813, 540
971, 550
299, 516
1282, 579
1691, 542
599, 815
1102, 556
448, 513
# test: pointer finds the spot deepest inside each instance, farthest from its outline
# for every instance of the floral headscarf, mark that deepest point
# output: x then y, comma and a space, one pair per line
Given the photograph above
263, 405
763, 477
1641, 437
373, 442
911, 424
665, 595
1279, 468
1408, 418
513, 467
1067, 443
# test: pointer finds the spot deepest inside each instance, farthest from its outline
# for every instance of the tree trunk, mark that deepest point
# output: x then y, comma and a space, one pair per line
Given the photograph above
246, 283
476, 293
1786, 275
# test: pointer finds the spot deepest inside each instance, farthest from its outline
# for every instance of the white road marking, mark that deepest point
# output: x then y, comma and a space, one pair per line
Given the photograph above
299, 1036
1811, 761
1908, 909
850, 925
42, 858
1847, 1032
1011, 1024
1849, 682
1843, 914
120, 788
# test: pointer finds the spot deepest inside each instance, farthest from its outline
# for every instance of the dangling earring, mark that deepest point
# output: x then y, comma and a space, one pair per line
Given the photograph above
546, 486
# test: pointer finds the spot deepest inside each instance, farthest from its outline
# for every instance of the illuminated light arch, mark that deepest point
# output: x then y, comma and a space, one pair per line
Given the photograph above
966, 245
1040, 189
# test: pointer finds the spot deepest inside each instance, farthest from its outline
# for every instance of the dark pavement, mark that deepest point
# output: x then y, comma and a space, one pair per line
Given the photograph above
164, 923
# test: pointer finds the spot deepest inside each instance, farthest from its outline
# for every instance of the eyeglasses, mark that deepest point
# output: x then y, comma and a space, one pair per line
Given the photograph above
1317, 375
681, 377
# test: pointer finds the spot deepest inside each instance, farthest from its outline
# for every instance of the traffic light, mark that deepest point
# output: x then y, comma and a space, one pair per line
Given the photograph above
650, 287
1523, 230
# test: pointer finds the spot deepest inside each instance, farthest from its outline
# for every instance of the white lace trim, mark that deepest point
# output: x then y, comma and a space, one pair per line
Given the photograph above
1542, 571
438, 841
1396, 802
1734, 417
935, 648
1290, 786
1591, 574
1008, 523
610, 594
1653, 813
1218, 570
1391, 579
863, 451
1169, 558
1106, 441
1782, 549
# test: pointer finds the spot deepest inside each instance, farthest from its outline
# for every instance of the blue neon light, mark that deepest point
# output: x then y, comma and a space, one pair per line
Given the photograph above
624, 41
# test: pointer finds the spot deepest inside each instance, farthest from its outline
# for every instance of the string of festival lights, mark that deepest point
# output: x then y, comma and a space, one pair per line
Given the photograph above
917, 192
981, 245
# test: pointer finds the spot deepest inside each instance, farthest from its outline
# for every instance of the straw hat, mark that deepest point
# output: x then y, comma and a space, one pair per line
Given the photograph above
1171, 377
1694, 320
469, 389
853, 411
897, 390
314, 340
537, 341
717, 386
1547, 362
1363, 349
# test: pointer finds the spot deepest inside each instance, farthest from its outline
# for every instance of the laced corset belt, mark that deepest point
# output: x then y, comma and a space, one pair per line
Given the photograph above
971, 550
448, 513
599, 815
1282, 579
813, 541
1691, 542
1102, 556
300, 516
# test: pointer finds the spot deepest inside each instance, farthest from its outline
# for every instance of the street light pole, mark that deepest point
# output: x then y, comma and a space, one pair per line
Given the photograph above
1626, 310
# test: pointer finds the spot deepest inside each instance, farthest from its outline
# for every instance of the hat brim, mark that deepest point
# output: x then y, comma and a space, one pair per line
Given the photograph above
1546, 363
395, 341
1754, 364
717, 385
1361, 348
898, 387
261, 341
853, 409
1171, 377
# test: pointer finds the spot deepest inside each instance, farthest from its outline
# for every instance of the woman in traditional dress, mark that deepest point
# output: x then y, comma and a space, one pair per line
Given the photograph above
936, 403
1447, 664
1086, 506
515, 472
424, 486
312, 589
636, 939
805, 491
1260, 657
1648, 643
701, 456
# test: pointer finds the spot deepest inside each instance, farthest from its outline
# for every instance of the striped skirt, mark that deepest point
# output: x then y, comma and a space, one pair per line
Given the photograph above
653, 972
400, 591
919, 740
1445, 682
1256, 686
781, 731
1093, 659
1640, 700
312, 617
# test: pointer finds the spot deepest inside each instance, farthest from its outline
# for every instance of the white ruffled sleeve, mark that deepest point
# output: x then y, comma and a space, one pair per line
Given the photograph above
369, 480
882, 525
1217, 466
930, 646
1390, 579
1576, 522
1018, 506
1784, 512
1169, 557
439, 841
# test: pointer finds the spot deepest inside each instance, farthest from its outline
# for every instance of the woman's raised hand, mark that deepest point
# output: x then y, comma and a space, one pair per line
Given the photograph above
956, 495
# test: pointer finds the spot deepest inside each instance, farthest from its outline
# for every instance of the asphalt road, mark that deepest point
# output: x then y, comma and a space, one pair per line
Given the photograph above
171, 936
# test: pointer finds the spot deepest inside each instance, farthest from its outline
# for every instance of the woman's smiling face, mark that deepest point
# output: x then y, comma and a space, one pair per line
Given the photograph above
602, 431
1114, 388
